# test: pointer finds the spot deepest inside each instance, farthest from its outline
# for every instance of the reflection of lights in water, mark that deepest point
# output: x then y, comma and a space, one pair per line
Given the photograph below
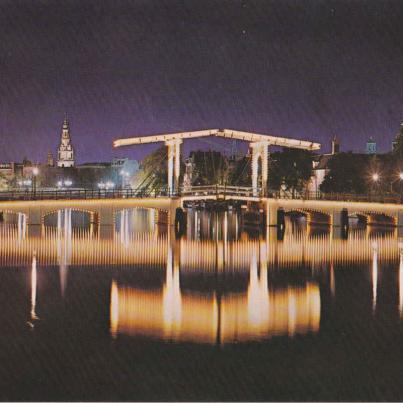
63, 273
139, 220
374, 274
124, 227
332, 281
258, 296
151, 217
33, 288
225, 236
171, 299
254, 314
22, 224
147, 249
401, 284
114, 309
292, 313
64, 245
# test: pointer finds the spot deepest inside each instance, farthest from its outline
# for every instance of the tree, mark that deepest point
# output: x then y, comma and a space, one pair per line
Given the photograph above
398, 143
291, 168
3, 182
210, 167
240, 172
154, 169
347, 174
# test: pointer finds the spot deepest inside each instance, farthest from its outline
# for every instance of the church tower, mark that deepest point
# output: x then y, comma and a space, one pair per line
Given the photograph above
335, 145
65, 154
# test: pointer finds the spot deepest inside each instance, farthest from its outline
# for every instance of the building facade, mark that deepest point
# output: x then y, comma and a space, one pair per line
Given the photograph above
320, 167
371, 146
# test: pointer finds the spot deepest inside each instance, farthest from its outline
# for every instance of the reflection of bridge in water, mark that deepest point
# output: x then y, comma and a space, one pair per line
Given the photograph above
217, 315
149, 249
212, 318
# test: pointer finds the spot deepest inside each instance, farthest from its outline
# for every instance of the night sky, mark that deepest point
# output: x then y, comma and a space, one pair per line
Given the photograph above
303, 69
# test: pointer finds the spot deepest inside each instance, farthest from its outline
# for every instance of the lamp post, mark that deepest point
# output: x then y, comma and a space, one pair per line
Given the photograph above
375, 179
64, 183
109, 185
35, 172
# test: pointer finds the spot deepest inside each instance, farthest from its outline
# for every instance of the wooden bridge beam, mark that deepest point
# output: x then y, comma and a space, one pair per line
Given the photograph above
174, 163
259, 150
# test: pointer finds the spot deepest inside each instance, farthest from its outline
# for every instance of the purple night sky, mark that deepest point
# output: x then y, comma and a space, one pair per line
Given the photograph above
303, 69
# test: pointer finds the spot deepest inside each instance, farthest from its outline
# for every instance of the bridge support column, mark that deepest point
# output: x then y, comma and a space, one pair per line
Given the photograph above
175, 203
174, 163
34, 222
106, 221
340, 223
260, 150
271, 214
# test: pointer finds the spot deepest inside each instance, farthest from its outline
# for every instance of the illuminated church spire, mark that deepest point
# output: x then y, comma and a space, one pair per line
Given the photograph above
66, 152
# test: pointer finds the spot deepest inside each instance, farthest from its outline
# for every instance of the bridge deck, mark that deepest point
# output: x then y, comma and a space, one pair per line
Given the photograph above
225, 133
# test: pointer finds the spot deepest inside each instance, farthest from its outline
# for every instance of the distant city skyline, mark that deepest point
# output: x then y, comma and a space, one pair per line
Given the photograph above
307, 70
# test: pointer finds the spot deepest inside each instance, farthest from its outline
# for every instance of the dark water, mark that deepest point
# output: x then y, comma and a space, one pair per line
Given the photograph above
220, 314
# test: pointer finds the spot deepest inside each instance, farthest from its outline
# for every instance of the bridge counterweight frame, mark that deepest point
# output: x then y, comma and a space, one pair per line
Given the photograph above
259, 144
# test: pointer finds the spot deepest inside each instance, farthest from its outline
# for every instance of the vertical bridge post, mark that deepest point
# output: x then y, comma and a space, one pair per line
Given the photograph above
260, 149
174, 163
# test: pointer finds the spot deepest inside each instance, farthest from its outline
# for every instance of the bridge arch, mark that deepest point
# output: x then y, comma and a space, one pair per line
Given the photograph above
372, 217
313, 216
12, 216
123, 217
93, 216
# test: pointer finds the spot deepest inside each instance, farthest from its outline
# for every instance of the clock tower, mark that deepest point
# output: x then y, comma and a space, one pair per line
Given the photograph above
65, 154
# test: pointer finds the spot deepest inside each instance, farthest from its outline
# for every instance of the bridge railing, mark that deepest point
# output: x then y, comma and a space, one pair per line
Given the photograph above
352, 197
207, 190
223, 190
79, 194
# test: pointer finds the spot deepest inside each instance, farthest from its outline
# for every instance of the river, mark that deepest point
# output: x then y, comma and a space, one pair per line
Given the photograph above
221, 313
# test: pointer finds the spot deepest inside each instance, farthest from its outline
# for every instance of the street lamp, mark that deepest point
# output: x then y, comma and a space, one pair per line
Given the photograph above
64, 183
35, 172
375, 177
